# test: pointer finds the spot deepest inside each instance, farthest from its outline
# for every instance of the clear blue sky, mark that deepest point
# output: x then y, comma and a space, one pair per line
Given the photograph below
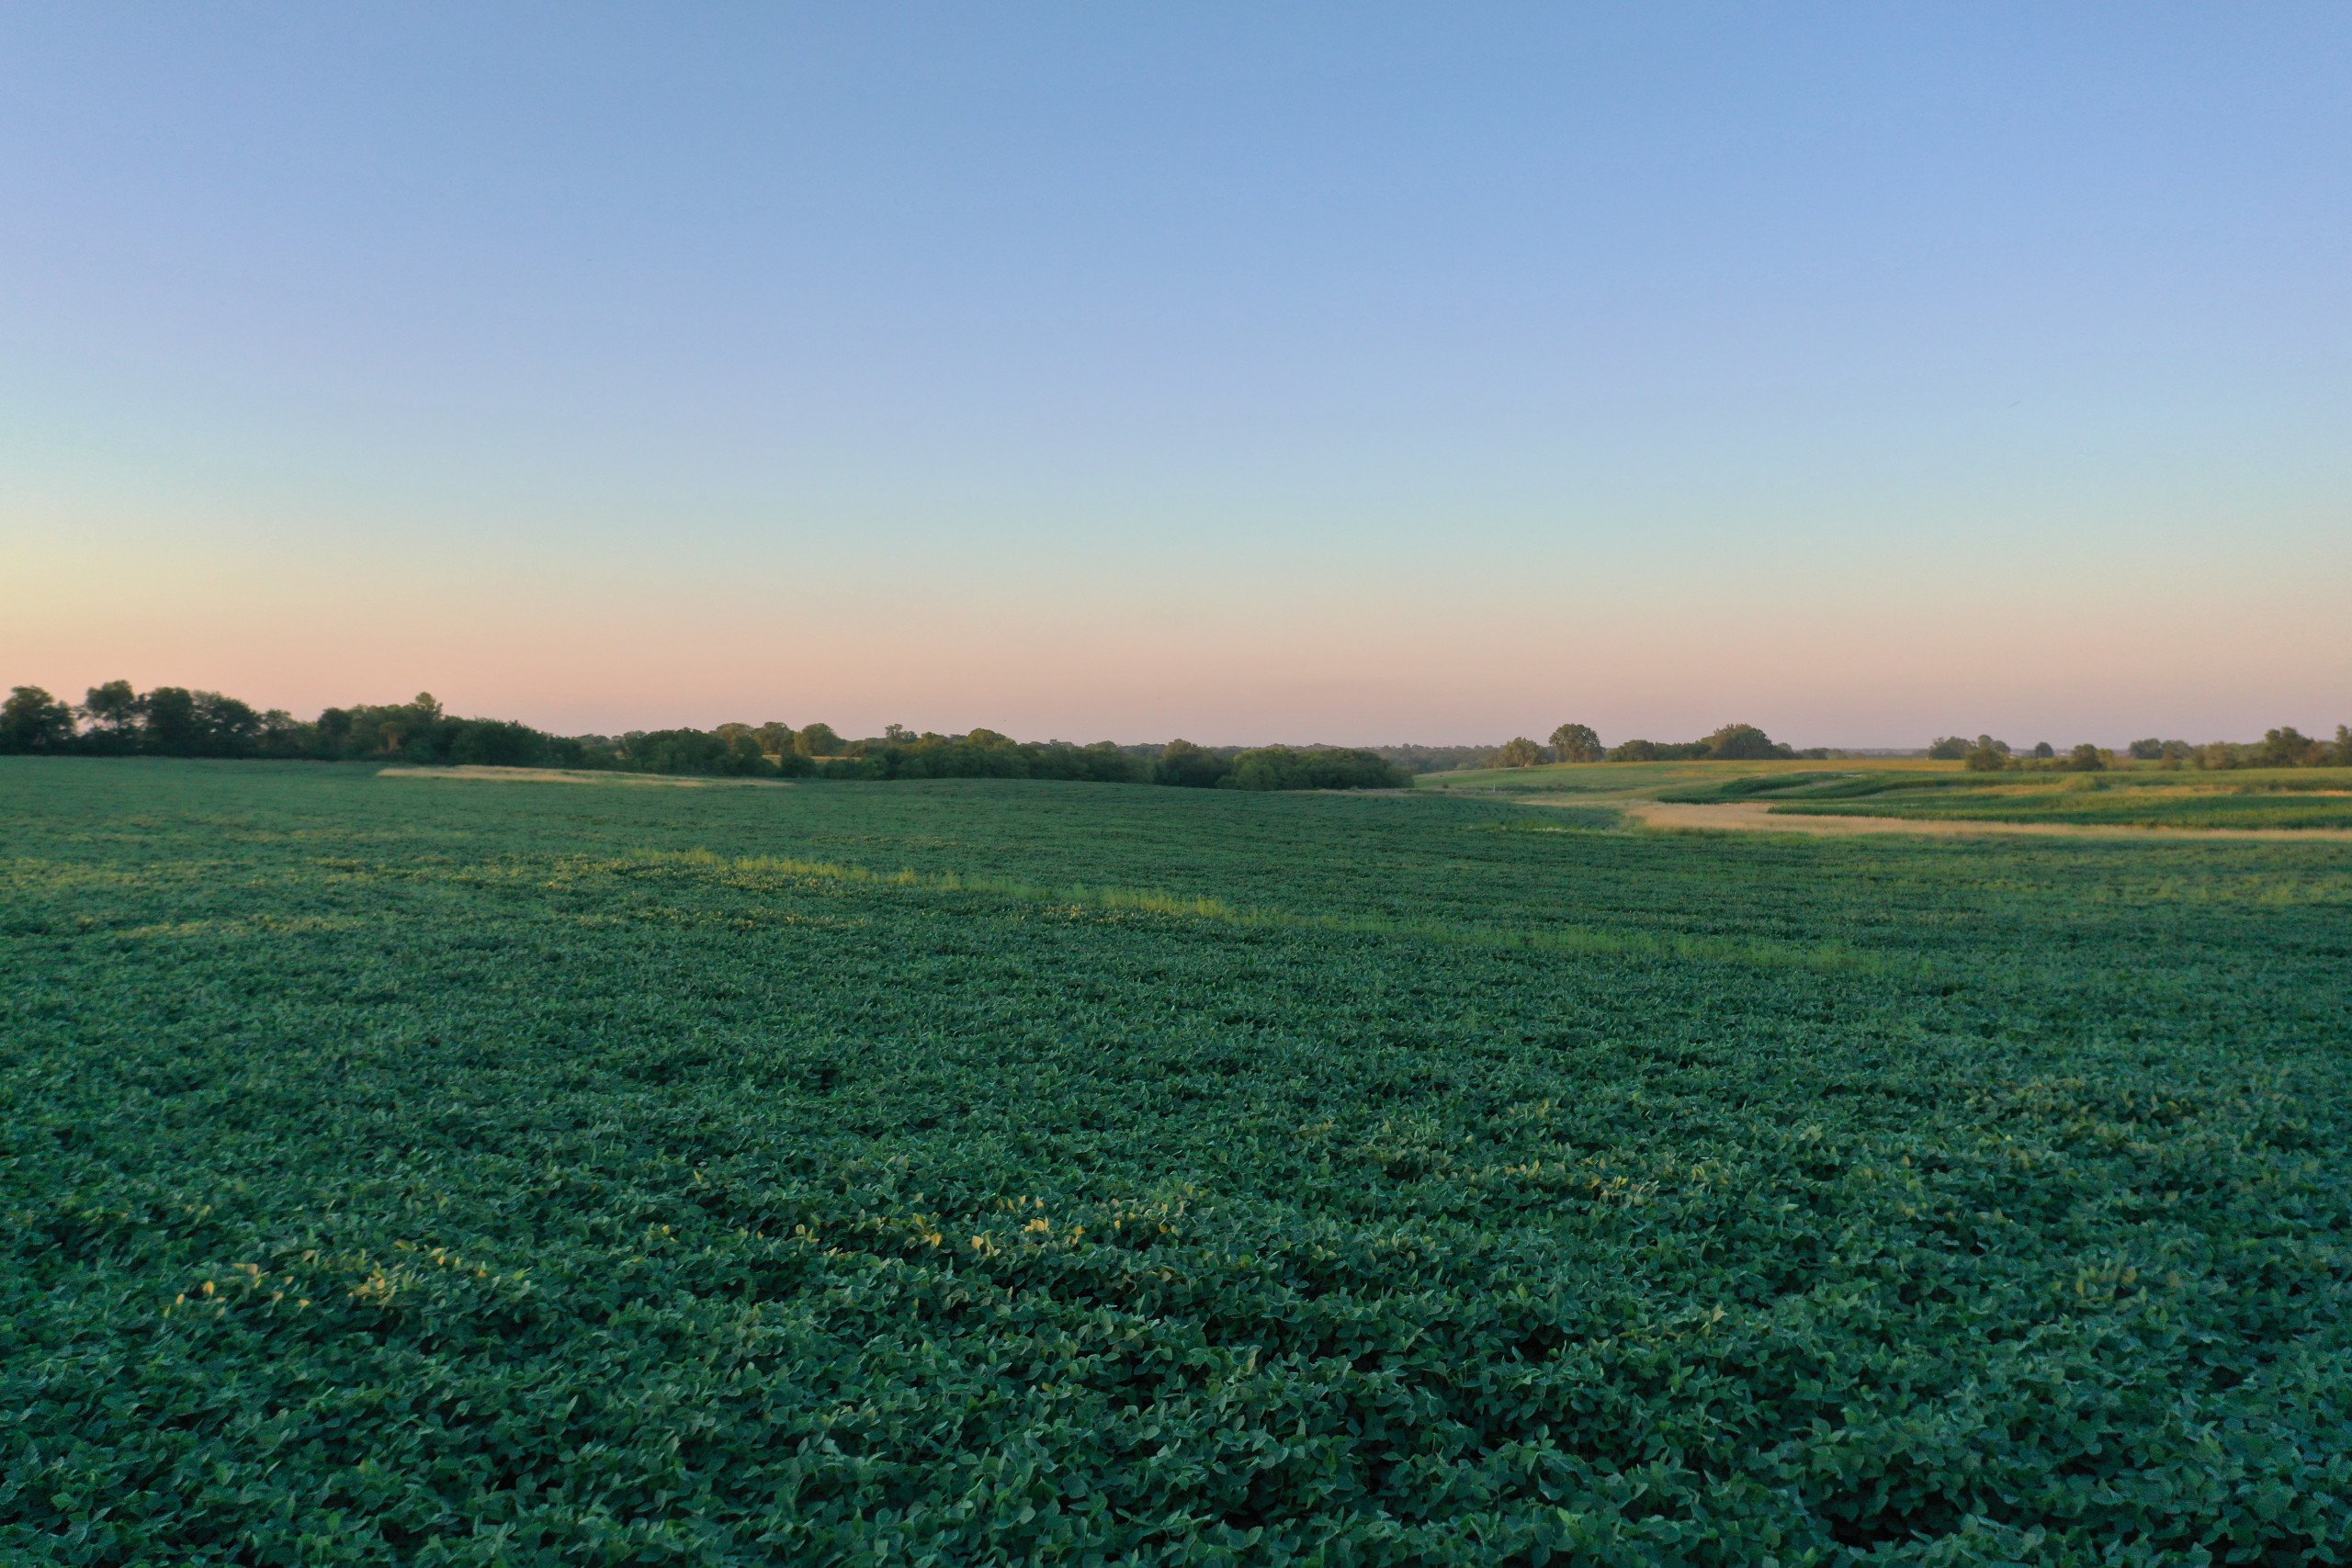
1303, 372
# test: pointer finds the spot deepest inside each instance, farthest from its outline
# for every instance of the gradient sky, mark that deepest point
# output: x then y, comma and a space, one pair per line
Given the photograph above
1341, 373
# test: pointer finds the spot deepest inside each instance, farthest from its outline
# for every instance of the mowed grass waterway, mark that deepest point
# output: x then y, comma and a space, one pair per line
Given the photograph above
992, 1171
2134, 795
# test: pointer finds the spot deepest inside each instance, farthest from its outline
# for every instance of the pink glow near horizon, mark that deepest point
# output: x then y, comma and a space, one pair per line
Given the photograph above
1348, 670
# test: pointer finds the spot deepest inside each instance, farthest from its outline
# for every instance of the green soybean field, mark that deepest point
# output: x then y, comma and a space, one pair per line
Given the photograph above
2270, 799
412, 1170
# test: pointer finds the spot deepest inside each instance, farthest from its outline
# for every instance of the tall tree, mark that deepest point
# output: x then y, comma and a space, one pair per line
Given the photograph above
1743, 743
167, 723
112, 711
1190, 766
225, 727
2284, 748
1576, 743
32, 720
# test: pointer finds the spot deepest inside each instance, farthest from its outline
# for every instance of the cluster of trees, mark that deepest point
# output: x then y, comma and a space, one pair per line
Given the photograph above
172, 721
984, 753
1579, 743
1986, 754
1436, 759
2282, 748
114, 720
816, 752
2285, 747
1321, 767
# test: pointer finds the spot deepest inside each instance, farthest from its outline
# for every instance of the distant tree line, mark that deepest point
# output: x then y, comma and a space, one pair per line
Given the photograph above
2282, 748
1435, 759
1582, 743
114, 720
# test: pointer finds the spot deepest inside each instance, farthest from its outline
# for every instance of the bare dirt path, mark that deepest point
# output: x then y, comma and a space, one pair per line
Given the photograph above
1758, 817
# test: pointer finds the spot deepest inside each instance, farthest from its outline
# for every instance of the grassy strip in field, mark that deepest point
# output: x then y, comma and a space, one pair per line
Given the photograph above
2177, 810
1759, 953
1760, 816
468, 773
2145, 797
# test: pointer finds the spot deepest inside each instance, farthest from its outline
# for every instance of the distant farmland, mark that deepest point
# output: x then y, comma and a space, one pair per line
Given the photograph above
985, 1170
2132, 795
2141, 797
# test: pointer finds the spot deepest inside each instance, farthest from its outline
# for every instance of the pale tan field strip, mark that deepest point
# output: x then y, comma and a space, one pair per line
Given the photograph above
1758, 817
574, 775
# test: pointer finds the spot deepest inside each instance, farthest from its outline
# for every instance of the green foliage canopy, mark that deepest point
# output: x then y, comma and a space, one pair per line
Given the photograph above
1330, 767
1578, 743
32, 721
1519, 752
